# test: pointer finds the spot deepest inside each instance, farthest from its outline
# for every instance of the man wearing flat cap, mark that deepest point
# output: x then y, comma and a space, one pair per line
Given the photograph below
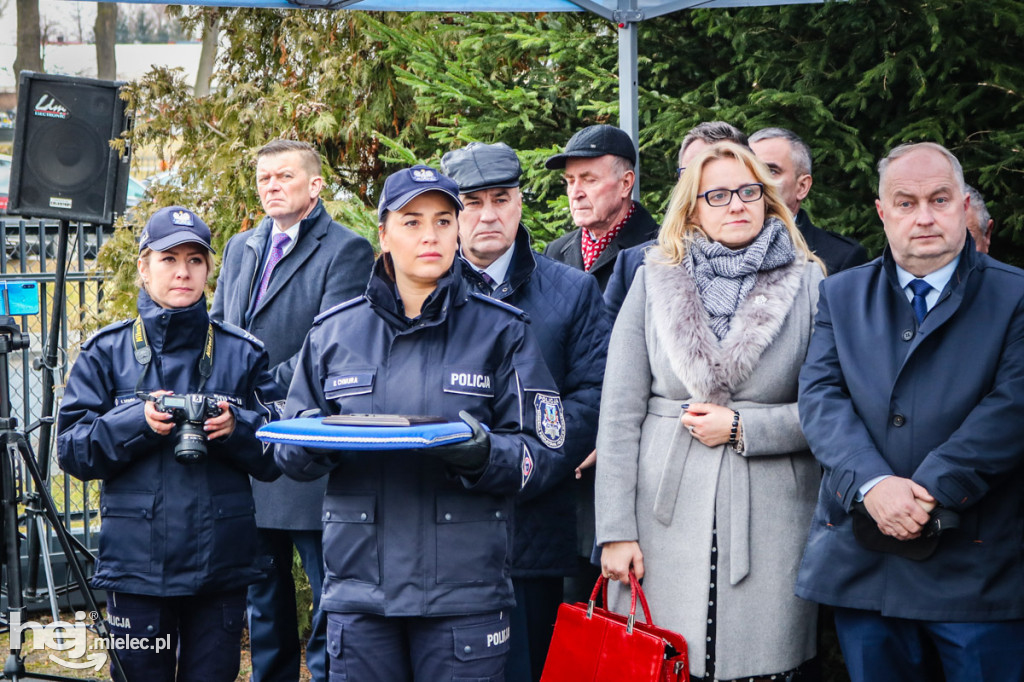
598, 163
599, 174
565, 310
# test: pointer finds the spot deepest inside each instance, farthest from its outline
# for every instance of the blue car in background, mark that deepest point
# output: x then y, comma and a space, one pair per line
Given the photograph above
136, 192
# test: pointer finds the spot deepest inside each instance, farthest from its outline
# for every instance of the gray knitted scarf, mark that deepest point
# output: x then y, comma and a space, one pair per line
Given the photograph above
724, 277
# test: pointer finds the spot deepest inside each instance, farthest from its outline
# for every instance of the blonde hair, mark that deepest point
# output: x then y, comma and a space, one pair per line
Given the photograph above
680, 227
145, 253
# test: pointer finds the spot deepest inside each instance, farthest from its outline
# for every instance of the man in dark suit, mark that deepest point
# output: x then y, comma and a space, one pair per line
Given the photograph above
273, 281
599, 174
911, 399
789, 159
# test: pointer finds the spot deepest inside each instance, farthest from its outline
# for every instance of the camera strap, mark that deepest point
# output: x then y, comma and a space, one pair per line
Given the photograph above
144, 354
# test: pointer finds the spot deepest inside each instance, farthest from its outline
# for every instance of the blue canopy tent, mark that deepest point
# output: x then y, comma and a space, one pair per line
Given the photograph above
625, 14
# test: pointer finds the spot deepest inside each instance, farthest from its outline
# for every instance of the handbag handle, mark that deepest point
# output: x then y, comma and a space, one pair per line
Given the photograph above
634, 590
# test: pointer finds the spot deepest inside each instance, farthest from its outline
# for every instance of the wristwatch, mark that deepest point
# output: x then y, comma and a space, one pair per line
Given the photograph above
736, 433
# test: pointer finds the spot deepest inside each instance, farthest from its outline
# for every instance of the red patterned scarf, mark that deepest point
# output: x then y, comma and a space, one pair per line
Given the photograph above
593, 248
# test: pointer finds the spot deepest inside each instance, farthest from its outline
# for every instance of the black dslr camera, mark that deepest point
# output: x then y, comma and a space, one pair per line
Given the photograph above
189, 411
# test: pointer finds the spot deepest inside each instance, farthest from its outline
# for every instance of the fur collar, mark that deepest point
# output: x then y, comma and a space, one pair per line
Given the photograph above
713, 369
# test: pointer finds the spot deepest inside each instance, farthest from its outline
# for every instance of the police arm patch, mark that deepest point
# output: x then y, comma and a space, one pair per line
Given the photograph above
550, 420
527, 467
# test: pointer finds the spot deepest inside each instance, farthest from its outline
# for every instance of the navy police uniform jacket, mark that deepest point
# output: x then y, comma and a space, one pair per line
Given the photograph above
169, 529
938, 403
566, 317
404, 535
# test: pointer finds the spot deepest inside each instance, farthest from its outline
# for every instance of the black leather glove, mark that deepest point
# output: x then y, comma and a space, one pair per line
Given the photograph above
468, 458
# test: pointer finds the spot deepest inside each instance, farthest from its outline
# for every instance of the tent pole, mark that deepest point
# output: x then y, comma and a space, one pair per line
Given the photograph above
627, 18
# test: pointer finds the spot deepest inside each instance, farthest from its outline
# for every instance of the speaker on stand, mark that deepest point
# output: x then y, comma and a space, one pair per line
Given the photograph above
63, 167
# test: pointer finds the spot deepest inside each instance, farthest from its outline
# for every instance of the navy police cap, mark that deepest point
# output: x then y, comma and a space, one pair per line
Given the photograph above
174, 225
405, 185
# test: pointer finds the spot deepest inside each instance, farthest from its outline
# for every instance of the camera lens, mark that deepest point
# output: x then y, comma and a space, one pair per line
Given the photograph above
191, 445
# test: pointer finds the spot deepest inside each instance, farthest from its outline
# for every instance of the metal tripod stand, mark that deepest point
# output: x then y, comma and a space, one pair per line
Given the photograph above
15, 447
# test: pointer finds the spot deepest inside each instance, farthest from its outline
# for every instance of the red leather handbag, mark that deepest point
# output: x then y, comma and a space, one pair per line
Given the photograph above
592, 644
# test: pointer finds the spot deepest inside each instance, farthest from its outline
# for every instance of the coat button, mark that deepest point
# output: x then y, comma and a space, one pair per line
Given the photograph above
468, 649
362, 517
898, 420
907, 335
447, 517
497, 514
150, 628
327, 515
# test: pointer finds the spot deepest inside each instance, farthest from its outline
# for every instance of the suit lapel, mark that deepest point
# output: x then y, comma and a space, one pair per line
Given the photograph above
572, 250
251, 256
607, 256
949, 302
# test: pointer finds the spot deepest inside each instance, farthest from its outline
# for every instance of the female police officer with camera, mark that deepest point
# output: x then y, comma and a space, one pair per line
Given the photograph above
416, 542
178, 538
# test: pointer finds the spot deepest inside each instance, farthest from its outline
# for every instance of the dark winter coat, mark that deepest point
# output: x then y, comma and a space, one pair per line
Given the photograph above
169, 529
404, 535
939, 403
836, 251
565, 311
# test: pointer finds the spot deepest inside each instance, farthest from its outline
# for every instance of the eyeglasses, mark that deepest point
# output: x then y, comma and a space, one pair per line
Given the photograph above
723, 197
680, 170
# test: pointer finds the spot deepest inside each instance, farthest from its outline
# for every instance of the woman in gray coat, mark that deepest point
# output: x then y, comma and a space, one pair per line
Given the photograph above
705, 485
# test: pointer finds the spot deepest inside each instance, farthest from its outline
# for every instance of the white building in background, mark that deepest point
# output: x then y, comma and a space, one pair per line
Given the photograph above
71, 19
133, 61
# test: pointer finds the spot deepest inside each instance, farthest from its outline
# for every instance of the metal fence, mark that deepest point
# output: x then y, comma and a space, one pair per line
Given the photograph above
29, 254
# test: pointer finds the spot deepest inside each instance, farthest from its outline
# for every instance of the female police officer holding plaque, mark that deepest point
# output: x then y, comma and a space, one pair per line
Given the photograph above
178, 535
416, 542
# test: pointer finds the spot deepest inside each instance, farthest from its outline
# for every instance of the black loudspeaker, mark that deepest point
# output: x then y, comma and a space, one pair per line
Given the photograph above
63, 166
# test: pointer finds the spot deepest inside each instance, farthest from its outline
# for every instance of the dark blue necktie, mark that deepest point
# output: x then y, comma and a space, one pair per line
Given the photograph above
920, 289
488, 280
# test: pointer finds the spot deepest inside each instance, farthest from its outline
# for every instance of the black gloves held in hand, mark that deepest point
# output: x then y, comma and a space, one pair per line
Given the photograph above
468, 458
